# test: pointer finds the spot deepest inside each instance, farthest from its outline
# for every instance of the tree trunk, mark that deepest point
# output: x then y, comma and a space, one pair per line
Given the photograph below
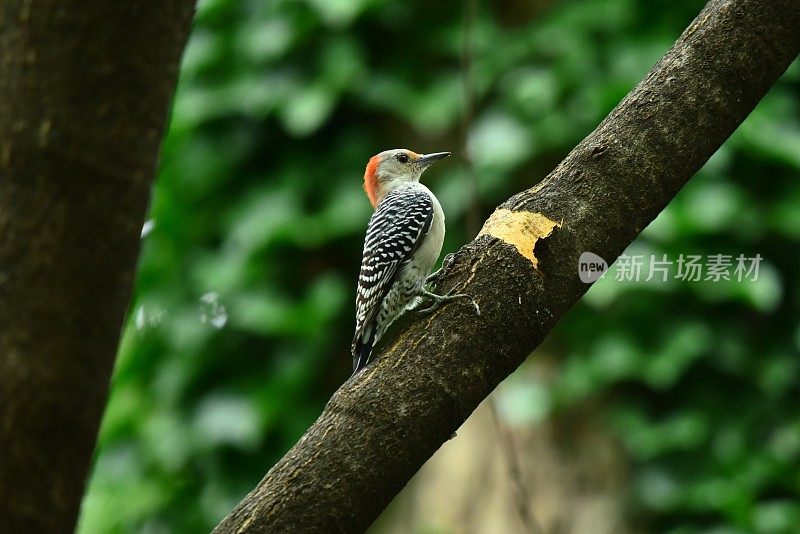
84, 92
382, 425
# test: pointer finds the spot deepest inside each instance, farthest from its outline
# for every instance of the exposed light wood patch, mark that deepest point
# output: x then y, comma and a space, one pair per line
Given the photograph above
522, 229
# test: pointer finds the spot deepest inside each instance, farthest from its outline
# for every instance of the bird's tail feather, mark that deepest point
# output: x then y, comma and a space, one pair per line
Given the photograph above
363, 350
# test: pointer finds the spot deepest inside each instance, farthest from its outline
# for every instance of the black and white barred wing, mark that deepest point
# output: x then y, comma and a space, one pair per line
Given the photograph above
395, 231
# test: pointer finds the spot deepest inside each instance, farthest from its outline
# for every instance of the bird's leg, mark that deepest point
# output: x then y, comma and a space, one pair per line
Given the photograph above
438, 300
435, 277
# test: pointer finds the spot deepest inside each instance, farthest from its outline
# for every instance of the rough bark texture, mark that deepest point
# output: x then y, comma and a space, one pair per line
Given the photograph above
381, 426
85, 88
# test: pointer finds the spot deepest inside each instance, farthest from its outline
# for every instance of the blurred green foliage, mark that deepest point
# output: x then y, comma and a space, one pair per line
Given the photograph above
241, 322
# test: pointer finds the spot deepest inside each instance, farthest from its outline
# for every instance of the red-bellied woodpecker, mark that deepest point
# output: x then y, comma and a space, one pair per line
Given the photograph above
403, 241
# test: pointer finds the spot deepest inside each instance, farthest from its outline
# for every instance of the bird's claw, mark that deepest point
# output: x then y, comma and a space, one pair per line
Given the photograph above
435, 277
438, 300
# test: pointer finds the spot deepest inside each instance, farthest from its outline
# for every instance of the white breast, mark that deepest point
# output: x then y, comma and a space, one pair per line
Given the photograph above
431, 246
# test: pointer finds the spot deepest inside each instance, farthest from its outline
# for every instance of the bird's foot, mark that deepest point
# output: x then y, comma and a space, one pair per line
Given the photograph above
435, 277
438, 300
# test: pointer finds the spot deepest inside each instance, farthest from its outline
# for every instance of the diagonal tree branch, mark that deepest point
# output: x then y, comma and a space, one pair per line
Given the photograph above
85, 88
380, 427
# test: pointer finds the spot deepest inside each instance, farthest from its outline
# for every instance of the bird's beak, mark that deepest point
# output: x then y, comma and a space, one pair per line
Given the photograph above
426, 159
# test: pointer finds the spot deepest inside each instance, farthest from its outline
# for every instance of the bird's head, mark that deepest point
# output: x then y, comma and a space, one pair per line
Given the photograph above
390, 168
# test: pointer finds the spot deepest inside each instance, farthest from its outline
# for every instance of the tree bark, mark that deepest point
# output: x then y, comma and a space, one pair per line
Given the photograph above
381, 426
85, 88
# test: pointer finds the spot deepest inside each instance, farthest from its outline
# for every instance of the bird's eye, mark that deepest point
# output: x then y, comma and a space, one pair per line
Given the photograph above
402, 158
